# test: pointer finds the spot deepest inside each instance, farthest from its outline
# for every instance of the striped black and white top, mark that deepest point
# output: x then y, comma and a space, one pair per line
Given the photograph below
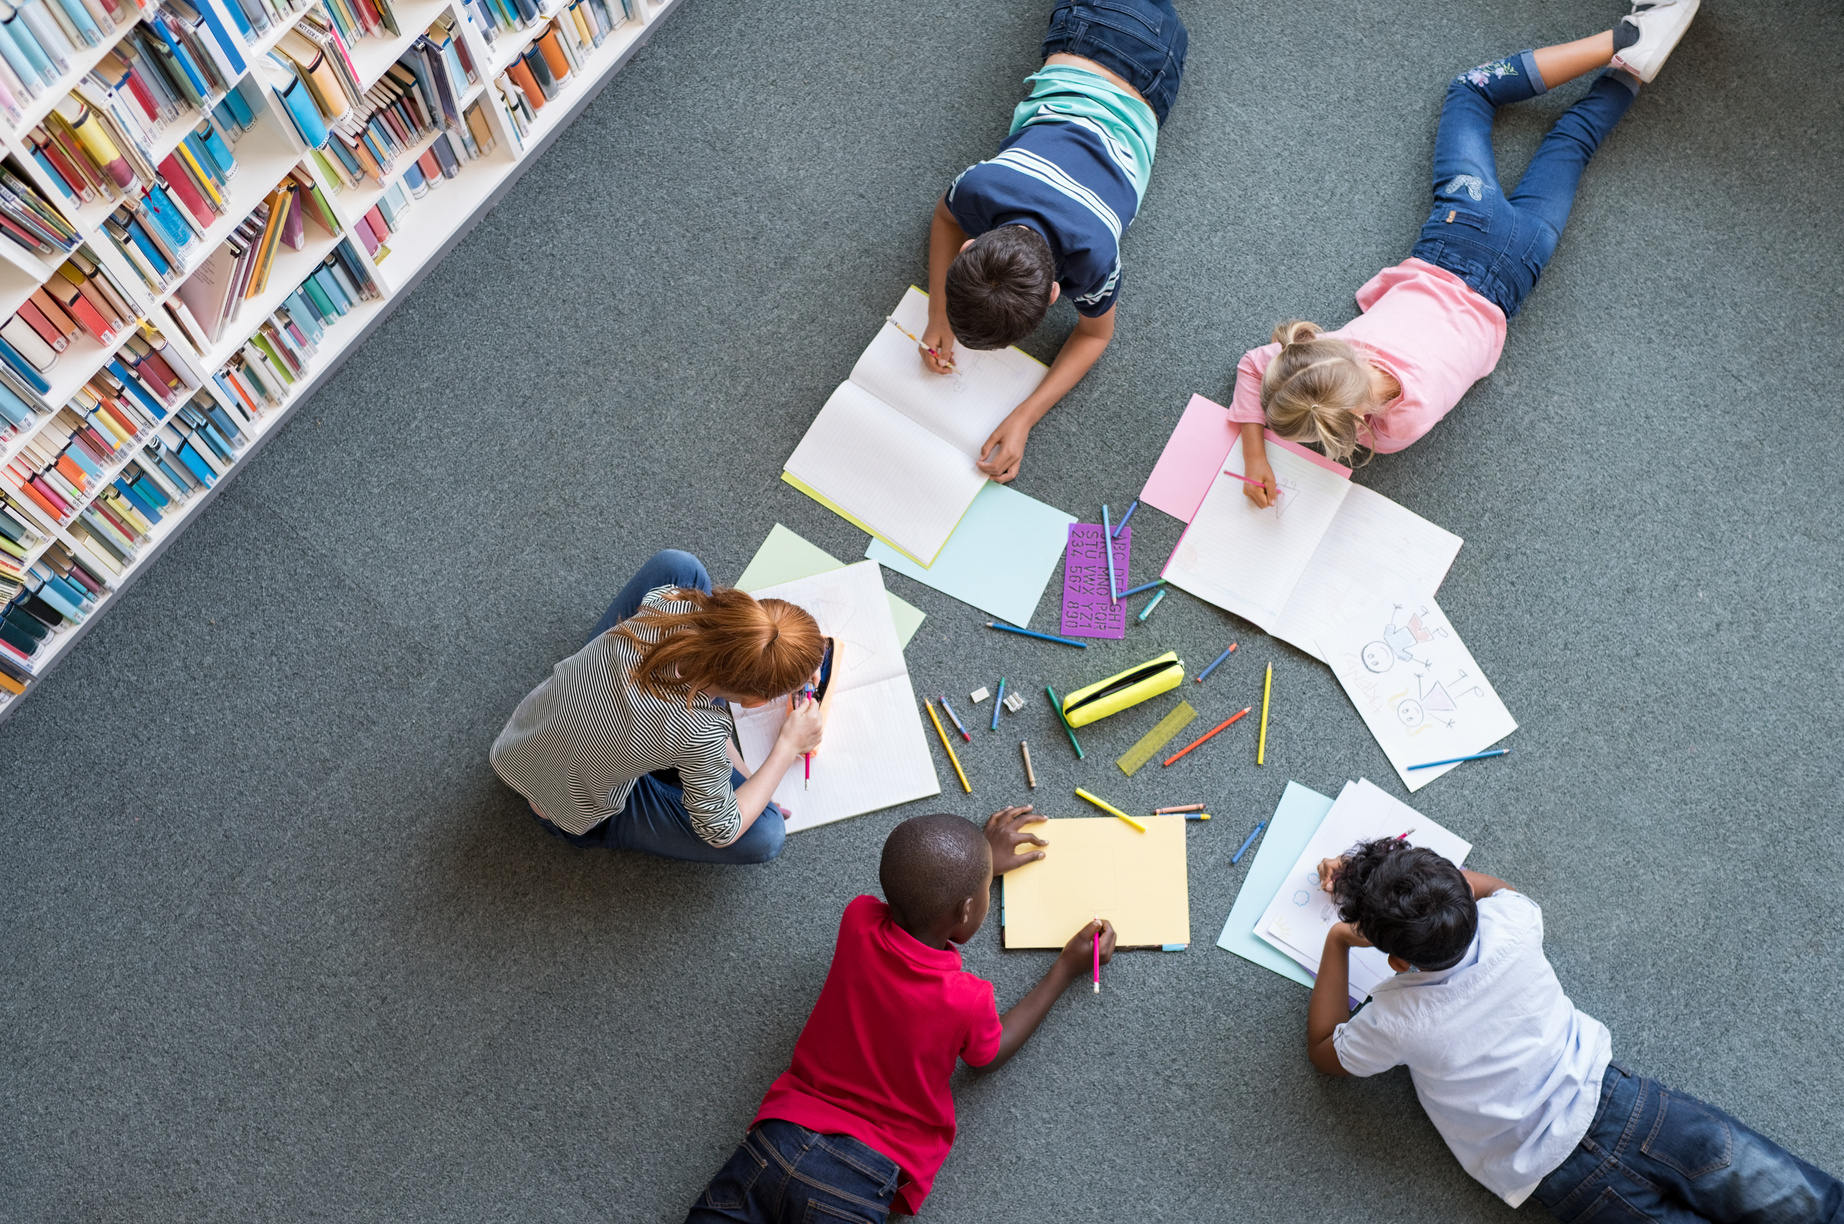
576, 744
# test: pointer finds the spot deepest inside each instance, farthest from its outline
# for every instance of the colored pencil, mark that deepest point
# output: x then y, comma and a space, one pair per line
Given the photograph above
998, 703
1214, 662
1247, 480
1183, 807
1030, 775
932, 352
1125, 517
1057, 705
1198, 816
1267, 688
1144, 586
1477, 756
807, 757
1150, 605
948, 744
1107, 546
1097, 953
1206, 735
1249, 841
1032, 633
956, 718
1105, 806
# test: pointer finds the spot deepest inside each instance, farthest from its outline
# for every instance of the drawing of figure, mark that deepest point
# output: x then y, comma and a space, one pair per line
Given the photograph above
1397, 643
1412, 714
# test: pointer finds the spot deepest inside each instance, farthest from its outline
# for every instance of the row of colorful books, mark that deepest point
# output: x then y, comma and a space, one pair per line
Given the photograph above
278, 355
542, 70
254, 18
80, 296
238, 269
500, 18
356, 19
20, 537
367, 142
38, 37
58, 591
144, 88
28, 218
434, 166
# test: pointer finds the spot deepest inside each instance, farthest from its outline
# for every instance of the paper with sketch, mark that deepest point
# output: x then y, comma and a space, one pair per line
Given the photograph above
1417, 686
874, 755
894, 448
999, 559
1300, 812
1326, 550
785, 556
1297, 919
1101, 867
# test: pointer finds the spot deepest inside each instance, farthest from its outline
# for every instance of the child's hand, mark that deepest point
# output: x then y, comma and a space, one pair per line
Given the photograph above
1005, 833
1347, 934
940, 337
1004, 450
1255, 467
1078, 955
1328, 871
804, 726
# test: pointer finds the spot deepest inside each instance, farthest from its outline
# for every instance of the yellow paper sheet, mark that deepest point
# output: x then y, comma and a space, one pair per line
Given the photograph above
1102, 866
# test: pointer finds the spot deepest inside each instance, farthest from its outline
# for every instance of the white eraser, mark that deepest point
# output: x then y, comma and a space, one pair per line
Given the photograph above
1014, 702
979, 695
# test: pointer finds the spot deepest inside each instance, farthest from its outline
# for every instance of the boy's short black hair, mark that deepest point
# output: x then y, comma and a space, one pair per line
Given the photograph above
931, 864
1408, 901
999, 288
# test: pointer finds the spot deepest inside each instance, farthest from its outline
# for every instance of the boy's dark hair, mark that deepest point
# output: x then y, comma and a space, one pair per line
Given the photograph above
1408, 901
930, 864
999, 288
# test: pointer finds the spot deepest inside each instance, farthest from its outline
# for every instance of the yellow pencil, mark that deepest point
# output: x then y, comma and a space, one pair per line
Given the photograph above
936, 719
1267, 686
929, 349
1109, 807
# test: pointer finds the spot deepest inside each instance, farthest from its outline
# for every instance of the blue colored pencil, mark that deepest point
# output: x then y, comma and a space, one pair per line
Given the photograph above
1477, 756
1151, 604
1045, 637
1144, 586
998, 703
956, 718
1237, 856
1107, 546
1214, 662
1125, 517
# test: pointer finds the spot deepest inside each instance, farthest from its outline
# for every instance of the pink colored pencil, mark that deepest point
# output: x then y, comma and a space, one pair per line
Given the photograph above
1097, 953
1247, 480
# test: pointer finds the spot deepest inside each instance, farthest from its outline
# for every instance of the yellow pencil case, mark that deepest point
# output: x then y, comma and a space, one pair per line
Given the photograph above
1127, 689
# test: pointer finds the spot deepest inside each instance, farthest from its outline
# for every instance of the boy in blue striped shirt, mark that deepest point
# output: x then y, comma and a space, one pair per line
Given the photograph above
1044, 217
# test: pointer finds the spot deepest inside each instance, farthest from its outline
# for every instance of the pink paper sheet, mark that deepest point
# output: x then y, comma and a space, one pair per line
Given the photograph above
1194, 454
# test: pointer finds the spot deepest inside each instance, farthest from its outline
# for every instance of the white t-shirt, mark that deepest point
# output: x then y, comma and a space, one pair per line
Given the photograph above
1507, 1068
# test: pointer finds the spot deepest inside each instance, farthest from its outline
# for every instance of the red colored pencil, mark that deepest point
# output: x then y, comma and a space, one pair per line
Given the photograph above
1206, 735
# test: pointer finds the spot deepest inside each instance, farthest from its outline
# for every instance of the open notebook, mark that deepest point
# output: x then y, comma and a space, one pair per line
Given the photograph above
1300, 568
894, 449
874, 755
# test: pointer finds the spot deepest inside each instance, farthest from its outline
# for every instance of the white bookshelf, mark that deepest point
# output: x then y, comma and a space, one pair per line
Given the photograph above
266, 153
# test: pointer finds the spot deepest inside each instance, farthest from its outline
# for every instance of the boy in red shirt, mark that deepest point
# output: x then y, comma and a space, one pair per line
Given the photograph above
861, 1120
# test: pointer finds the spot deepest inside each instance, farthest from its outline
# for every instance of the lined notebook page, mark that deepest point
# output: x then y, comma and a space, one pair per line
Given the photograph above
1373, 550
963, 407
874, 754
1246, 559
903, 482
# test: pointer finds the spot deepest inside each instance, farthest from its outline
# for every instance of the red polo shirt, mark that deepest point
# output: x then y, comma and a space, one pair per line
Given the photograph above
875, 1057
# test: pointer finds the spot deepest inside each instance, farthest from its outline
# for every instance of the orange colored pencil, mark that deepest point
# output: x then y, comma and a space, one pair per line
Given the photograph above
1206, 735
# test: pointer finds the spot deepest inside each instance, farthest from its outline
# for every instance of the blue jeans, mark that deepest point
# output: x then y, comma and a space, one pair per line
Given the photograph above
654, 820
1140, 41
786, 1174
1654, 1154
1499, 244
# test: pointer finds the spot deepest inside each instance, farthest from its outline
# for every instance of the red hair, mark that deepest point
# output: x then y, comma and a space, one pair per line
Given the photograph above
729, 640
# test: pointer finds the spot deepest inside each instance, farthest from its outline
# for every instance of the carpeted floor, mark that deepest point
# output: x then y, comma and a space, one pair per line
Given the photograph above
280, 947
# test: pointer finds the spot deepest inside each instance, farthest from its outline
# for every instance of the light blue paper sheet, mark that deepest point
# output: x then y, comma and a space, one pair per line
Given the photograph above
1302, 810
999, 559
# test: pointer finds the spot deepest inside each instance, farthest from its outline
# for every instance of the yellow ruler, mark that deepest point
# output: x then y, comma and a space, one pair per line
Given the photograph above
1157, 738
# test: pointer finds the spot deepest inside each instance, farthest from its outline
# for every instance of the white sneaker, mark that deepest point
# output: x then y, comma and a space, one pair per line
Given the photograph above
1660, 24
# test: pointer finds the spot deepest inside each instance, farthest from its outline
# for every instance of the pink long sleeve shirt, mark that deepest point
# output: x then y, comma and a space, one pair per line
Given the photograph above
1423, 327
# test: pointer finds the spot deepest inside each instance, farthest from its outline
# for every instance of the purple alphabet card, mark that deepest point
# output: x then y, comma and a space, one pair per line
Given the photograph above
1087, 609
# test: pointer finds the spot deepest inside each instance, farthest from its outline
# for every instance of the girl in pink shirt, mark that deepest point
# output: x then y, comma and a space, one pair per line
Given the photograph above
1434, 324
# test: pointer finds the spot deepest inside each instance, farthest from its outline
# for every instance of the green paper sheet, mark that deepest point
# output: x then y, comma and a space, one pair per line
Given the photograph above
999, 559
785, 557
1302, 810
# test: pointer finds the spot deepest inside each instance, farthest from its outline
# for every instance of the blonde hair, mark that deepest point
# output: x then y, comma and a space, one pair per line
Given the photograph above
729, 640
1317, 389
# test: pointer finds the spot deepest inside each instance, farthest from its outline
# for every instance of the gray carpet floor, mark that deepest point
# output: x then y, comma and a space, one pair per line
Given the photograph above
279, 946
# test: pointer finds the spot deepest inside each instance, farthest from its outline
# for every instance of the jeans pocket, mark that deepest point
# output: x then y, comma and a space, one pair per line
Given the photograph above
1687, 1137
1610, 1207
730, 1189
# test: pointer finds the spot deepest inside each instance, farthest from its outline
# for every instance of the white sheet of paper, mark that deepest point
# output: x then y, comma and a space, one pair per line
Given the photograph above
900, 480
1373, 549
1416, 684
1297, 920
963, 407
1246, 559
874, 755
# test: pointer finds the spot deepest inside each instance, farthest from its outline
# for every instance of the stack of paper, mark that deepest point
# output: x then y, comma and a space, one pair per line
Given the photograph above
874, 755
785, 556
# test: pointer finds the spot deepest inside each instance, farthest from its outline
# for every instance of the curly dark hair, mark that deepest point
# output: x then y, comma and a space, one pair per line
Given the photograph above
1408, 901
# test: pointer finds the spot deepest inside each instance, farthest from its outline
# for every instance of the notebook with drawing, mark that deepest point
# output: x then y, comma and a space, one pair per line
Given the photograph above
893, 451
1298, 568
874, 754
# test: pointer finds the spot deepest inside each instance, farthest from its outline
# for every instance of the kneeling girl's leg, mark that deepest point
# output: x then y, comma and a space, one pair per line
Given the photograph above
654, 821
667, 567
